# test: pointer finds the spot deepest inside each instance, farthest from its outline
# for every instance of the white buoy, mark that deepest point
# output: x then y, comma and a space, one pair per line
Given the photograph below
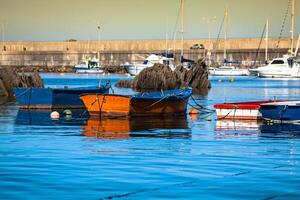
54, 115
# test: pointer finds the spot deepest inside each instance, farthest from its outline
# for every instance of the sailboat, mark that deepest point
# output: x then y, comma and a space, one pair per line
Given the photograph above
227, 70
286, 66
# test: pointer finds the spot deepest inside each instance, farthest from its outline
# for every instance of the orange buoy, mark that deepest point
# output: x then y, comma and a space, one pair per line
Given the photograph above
193, 111
193, 114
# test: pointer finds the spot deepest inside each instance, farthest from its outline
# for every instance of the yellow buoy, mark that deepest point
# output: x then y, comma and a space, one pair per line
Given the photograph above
231, 79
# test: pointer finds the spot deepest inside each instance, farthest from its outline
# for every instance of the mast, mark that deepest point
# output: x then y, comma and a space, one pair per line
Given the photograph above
182, 26
292, 26
267, 35
167, 38
225, 32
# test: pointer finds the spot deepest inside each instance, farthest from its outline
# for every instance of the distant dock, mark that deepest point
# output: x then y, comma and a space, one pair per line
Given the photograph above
116, 52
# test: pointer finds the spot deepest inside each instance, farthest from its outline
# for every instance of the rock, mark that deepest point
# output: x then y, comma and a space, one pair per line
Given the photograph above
114, 69
124, 83
3, 91
10, 79
161, 77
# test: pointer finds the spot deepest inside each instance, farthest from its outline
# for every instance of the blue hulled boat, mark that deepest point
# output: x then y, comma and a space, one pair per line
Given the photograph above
55, 98
281, 112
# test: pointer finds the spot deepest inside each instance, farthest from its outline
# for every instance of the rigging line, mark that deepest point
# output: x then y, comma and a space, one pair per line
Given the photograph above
175, 27
261, 38
220, 30
283, 23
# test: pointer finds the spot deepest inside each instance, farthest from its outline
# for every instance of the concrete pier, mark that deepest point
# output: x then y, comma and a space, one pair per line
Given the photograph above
116, 52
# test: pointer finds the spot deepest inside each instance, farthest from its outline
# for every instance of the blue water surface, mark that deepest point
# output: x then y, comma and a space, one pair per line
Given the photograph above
190, 157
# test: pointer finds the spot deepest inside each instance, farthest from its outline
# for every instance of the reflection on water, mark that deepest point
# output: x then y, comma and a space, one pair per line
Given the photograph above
172, 127
222, 125
42, 118
280, 130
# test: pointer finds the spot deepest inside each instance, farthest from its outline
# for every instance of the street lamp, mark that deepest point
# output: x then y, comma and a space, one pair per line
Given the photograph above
208, 21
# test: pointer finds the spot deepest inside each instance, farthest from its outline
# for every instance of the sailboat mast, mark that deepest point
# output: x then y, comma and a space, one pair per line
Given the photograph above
267, 35
292, 26
182, 26
225, 32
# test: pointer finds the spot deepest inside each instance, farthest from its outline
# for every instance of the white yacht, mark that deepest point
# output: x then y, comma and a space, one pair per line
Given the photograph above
228, 71
135, 68
90, 66
284, 67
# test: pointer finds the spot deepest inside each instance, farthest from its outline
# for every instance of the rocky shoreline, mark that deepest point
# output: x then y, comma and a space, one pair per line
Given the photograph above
63, 69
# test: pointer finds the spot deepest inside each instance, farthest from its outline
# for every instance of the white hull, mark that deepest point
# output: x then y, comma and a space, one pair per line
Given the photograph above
89, 71
249, 114
136, 69
228, 72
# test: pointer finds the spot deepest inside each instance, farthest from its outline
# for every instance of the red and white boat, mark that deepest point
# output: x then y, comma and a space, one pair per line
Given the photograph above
241, 110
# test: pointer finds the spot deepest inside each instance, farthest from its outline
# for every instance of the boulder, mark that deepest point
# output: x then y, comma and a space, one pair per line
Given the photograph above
9, 79
161, 77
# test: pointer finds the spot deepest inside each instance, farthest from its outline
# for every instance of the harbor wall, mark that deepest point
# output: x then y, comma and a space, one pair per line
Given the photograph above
115, 52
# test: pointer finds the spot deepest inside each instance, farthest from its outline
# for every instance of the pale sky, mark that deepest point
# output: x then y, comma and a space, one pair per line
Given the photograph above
56, 20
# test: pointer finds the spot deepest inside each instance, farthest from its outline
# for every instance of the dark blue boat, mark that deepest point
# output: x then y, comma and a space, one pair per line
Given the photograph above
281, 112
55, 98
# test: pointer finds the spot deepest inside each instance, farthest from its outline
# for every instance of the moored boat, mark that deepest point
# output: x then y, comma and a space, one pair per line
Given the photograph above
228, 71
143, 104
135, 68
241, 110
89, 66
281, 112
50, 98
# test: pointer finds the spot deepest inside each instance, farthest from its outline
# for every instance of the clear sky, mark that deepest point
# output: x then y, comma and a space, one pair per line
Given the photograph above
55, 20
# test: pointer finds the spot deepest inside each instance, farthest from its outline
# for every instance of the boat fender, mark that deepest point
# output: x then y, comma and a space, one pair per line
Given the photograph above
54, 115
67, 113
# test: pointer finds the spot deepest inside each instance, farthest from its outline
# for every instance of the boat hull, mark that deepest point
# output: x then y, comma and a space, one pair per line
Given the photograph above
51, 98
119, 105
241, 110
281, 113
228, 72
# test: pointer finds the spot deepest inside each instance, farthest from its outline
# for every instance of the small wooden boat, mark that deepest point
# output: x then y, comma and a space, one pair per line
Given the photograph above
55, 98
281, 112
241, 110
143, 104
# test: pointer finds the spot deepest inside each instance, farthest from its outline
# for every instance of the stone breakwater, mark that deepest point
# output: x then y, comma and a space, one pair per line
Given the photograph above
10, 78
161, 77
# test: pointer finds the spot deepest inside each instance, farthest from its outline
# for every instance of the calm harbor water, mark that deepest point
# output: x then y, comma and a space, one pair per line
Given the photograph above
186, 157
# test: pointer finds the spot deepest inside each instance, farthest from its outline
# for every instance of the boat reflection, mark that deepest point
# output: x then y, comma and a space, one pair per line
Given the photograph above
223, 125
176, 127
280, 130
42, 118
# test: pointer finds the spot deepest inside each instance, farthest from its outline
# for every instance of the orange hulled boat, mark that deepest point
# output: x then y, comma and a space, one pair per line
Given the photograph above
143, 104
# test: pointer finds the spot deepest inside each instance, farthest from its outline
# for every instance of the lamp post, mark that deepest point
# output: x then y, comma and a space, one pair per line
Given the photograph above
98, 29
208, 21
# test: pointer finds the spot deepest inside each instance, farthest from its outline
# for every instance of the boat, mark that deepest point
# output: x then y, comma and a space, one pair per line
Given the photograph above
142, 104
228, 71
90, 66
55, 98
241, 110
281, 112
284, 67
135, 68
